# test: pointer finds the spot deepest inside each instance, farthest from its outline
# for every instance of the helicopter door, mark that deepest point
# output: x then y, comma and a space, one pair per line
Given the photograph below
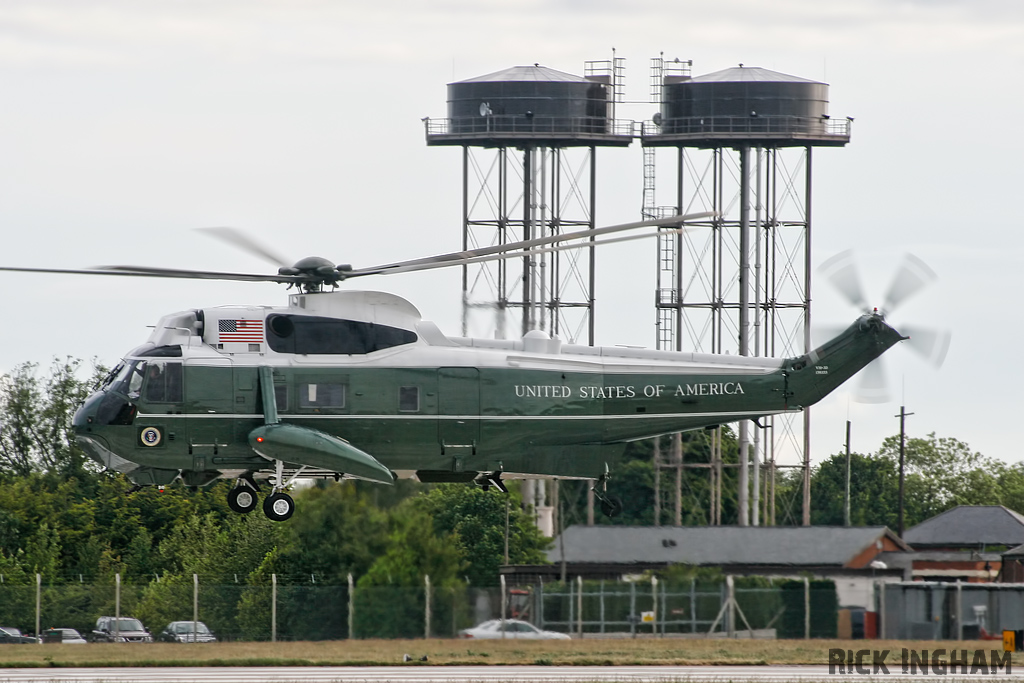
458, 412
210, 397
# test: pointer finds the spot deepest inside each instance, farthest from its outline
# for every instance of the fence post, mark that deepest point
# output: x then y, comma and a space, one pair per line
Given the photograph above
601, 600
579, 605
195, 608
504, 604
807, 609
730, 601
39, 604
572, 608
117, 606
959, 611
273, 608
693, 605
881, 611
654, 601
426, 615
540, 604
632, 608
351, 607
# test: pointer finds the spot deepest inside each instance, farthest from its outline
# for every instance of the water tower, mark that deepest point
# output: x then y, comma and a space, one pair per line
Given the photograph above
741, 283
529, 137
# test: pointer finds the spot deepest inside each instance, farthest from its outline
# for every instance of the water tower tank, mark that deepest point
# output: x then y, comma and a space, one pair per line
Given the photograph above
529, 103
749, 104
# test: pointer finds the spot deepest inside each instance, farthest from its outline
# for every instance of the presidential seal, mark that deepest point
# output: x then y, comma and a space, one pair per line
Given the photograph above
150, 436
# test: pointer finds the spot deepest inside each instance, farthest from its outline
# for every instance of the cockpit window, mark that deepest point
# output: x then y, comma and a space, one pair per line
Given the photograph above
163, 382
306, 334
112, 375
127, 378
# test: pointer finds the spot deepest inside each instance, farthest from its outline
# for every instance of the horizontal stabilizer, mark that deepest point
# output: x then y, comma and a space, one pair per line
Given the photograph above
291, 443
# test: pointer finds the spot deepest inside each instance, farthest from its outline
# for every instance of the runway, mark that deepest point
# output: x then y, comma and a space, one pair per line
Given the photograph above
466, 674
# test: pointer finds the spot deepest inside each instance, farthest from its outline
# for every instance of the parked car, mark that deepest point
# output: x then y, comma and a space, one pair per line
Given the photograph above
9, 634
186, 632
123, 630
511, 628
63, 635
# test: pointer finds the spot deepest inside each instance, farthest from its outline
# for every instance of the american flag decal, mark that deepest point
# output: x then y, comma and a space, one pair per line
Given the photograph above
241, 331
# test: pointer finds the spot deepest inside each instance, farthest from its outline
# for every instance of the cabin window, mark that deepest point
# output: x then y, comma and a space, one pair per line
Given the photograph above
306, 334
162, 382
408, 399
322, 395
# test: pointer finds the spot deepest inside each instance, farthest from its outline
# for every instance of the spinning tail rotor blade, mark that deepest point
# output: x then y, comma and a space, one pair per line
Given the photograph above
237, 238
873, 386
910, 278
841, 271
932, 345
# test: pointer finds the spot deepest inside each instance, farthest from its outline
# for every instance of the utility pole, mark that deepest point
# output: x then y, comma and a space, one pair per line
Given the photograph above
903, 442
846, 497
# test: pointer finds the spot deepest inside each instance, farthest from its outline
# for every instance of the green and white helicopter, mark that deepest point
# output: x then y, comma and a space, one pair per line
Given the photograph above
341, 383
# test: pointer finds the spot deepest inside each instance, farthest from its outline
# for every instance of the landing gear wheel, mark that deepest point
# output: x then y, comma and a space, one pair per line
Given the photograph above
611, 505
278, 506
242, 499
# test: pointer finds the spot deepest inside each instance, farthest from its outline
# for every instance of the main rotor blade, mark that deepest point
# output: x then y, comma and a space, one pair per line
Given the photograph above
144, 271
237, 238
459, 257
910, 278
841, 271
414, 267
932, 345
873, 386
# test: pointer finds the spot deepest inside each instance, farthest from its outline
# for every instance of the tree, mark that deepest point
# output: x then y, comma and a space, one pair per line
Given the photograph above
874, 490
942, 473
35, 419
475, 521
336, 531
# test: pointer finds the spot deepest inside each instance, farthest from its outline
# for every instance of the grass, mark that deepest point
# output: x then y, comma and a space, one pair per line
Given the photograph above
602, 652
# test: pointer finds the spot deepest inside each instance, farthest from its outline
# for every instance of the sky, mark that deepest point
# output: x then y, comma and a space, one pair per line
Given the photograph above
127, 124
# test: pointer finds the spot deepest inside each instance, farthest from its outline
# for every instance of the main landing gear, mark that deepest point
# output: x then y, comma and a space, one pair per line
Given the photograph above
278, 506
242, 499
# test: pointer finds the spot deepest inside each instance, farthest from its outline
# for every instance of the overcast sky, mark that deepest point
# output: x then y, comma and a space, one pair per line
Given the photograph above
126, 124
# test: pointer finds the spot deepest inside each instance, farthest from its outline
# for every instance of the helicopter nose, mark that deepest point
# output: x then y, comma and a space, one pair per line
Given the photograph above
85, 416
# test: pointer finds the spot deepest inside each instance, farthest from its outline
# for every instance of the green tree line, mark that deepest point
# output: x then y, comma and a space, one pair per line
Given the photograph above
940, 473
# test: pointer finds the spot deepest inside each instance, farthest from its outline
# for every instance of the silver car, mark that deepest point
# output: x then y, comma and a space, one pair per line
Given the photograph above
510, 628
68, 636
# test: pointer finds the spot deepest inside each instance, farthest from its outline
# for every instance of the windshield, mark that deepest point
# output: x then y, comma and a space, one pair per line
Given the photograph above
186, 627
128, 379
111, 376
126, 625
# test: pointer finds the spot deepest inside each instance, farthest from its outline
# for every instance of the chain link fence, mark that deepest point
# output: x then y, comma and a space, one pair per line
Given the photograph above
288, 609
